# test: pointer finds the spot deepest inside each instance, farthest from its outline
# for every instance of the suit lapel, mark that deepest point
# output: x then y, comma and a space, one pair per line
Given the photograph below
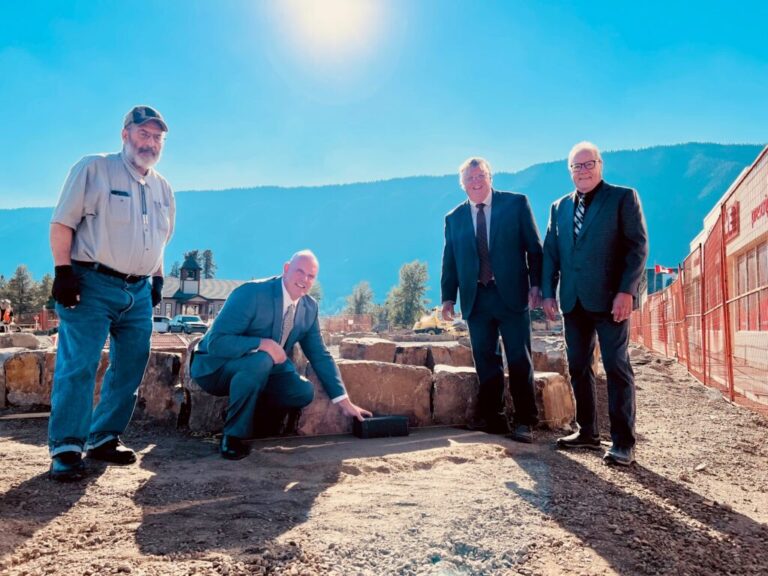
277, 299
566, 219
594, 208
496, 216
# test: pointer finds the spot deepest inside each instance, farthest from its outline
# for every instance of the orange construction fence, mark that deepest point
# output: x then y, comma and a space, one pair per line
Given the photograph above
714, 317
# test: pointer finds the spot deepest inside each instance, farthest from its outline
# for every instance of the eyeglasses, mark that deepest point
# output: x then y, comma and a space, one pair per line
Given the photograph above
147, 135
588, 165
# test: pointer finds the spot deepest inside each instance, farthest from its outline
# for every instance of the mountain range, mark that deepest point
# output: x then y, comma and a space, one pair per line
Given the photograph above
367, 231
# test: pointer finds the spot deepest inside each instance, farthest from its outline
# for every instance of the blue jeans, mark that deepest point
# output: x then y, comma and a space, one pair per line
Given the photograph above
108, 306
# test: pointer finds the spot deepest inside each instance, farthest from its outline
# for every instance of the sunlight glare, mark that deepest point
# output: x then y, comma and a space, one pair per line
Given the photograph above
331, 31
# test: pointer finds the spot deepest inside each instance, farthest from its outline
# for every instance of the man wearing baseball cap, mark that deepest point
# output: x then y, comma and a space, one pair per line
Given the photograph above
113, 220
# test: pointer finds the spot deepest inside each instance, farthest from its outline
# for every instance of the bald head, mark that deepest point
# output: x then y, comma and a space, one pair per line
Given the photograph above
300, 272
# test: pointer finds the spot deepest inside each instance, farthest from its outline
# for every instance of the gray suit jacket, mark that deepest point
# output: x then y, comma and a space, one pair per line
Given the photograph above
254, 311
514, 245
608, 257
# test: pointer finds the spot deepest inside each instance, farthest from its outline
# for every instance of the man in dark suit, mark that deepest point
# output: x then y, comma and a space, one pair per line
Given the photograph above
243, 355
492, 258
596, 247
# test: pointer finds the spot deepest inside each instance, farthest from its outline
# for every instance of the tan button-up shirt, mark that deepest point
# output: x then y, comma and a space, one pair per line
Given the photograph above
121, 219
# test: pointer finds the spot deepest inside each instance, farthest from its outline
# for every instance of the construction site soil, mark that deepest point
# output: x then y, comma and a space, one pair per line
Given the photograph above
440, 501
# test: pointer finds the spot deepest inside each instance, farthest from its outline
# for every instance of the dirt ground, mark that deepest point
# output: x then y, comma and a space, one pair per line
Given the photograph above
441, 501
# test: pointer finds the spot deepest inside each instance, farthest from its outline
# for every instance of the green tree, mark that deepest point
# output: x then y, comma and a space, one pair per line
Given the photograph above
207, 264
43, 298
175, 270
405, 302
361, 299
316, 291
22, 290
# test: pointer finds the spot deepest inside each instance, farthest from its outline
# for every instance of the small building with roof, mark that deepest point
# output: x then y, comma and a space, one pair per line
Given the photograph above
190, 293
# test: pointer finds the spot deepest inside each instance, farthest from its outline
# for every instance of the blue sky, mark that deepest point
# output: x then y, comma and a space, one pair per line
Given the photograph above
296, 92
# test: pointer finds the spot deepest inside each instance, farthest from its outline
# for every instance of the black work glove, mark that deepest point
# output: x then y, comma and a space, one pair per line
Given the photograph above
157, 290
66, 287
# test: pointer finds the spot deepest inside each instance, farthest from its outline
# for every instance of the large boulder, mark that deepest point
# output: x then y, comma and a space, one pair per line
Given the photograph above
322, 416
549, 354
390, 389
204, 412
412, 355
554, 399
160, 394
374, 349
451, 354
25, 340
24, 381
454, 396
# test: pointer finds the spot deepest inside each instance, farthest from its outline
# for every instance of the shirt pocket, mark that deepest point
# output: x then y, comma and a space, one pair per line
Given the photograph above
119, 207
162, 216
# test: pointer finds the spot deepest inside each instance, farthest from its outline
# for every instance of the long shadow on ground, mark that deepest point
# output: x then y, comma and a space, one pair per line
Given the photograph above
641, 522
242, 507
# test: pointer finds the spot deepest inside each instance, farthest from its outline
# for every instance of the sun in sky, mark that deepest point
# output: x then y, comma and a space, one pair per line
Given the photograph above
329, 33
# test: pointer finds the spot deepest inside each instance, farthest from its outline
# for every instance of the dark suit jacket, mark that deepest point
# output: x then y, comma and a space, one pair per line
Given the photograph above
608, 257
254, 311
514, 245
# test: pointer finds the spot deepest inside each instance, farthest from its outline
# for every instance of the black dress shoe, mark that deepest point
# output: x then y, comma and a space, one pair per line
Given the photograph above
618, 455
234, 448
522, 433
113, 451
67, 467
579, 440
493, 424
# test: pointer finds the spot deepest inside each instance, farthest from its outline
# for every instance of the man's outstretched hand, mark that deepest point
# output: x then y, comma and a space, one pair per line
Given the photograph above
353, 410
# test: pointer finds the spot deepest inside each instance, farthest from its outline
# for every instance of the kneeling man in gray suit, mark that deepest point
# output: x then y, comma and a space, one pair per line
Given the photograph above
243, 355
595, 248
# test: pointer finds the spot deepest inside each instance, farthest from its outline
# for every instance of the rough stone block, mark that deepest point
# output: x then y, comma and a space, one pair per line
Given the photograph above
549, 354
299, 360
454, 396
206, 412
23, 379
322, 416
382, 388
24, 340
554, 399
452, 354
374, 349
390, 389
414, 355
160, 390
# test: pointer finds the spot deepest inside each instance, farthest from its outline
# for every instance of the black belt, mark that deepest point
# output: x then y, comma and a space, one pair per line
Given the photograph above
130, 278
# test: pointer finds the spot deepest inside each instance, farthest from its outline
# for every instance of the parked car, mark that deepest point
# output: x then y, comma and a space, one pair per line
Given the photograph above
188, 324
161, 324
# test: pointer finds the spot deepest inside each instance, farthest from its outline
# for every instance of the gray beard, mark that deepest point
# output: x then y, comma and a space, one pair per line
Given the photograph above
132, 155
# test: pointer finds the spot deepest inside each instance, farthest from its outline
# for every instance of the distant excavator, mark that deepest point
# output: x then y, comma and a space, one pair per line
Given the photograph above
433, 323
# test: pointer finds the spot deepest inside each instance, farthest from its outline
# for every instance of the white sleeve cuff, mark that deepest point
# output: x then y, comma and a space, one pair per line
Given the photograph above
339, 398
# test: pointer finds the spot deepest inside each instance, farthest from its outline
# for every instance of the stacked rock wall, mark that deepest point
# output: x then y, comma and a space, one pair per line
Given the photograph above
433, 383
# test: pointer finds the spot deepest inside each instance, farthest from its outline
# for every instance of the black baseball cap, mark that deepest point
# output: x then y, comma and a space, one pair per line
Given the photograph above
140, 114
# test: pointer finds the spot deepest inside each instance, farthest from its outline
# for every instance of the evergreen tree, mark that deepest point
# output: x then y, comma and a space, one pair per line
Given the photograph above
207, 264
43, 298
21, 291
175, 270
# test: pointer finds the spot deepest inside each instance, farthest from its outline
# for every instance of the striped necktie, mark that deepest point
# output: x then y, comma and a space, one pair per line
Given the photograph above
578, 216
287, 324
